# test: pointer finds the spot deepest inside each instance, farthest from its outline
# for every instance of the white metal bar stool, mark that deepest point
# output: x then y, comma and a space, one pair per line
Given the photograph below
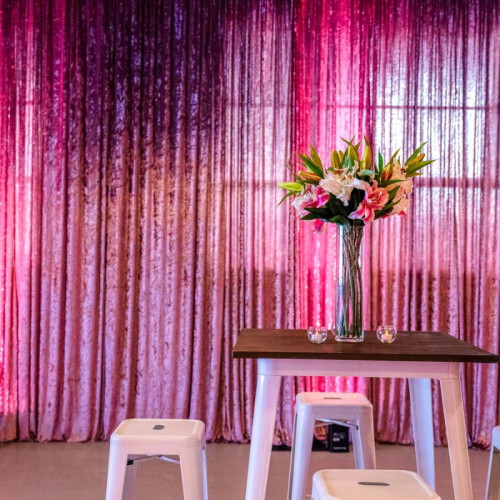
143, 439
315, 409
493, 484
353, 484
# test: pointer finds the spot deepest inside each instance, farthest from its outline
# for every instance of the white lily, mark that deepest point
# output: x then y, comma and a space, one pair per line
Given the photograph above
341, 183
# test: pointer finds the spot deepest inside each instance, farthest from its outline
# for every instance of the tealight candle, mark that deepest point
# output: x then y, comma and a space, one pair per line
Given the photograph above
317, 335
386, 334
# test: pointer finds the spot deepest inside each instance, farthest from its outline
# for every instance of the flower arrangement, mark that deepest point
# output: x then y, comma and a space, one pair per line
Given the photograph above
353, 191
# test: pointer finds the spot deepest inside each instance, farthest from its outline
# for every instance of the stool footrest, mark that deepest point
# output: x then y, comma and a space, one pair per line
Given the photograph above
322, 422
132, 461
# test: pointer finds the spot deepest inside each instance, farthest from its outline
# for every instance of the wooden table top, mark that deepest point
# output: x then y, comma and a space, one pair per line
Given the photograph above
408, 346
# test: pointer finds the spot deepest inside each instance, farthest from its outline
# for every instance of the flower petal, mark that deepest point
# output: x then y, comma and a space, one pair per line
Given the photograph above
319, 226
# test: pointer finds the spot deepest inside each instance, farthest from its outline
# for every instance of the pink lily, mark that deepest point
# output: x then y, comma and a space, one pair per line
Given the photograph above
375, 199
314, 197
319, 226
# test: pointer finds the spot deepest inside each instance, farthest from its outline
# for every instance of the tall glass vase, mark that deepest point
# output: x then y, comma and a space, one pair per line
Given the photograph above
348, 325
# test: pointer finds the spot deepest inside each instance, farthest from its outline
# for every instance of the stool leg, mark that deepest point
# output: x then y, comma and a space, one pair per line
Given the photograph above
304, 435
205, 479
363, 442
493, 484
290, 471
192, 473
116, 473
130, 473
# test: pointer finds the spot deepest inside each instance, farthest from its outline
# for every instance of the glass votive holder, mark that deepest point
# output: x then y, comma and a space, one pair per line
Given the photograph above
386, 334
317, 335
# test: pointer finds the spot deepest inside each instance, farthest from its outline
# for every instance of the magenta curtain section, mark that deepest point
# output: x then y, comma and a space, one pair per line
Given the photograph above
141, 143
406, 72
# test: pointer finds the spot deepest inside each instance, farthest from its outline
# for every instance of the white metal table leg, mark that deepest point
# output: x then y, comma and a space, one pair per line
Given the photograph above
301, 450
266, 402
423, 429
457, 437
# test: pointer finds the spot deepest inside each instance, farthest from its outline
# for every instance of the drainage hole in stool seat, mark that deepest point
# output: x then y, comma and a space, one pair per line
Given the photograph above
369, 483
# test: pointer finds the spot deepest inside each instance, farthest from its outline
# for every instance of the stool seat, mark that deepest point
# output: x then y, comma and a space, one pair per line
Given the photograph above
164, 433
370, 485
329, 398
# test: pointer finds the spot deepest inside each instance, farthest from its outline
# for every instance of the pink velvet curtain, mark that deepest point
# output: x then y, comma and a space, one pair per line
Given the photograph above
140, 147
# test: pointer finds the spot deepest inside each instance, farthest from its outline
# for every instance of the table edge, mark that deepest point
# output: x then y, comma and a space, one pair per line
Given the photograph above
486, 359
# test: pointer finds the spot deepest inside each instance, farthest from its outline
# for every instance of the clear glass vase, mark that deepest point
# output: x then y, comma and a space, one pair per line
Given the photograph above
348, 326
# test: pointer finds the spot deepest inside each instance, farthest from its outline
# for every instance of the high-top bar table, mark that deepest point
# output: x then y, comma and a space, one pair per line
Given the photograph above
418, 356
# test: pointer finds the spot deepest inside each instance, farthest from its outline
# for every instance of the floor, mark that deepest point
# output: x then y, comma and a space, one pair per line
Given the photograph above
72, 471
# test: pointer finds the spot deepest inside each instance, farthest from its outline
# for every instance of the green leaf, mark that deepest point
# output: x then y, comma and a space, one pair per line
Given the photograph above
380, 162
357, 196
311, 217
366, 172
323, 213
337, 207
416, 152
340, 220
285, 197
392, 194
311, 166
394, 181
291, 186
418, 166
381, 213
392, 158
316, 159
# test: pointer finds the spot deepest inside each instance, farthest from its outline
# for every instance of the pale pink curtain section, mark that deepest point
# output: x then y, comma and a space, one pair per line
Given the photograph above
405, 73
141, 147
141, 143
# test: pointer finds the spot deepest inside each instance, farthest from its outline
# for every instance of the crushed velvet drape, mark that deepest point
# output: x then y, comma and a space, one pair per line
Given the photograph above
407, 72
141, 142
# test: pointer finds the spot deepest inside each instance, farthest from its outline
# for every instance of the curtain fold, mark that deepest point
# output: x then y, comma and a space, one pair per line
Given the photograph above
141, 144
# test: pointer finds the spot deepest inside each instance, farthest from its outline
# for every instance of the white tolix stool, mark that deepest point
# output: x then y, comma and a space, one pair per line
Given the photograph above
136, 440
316, 409
353, 484
493, 485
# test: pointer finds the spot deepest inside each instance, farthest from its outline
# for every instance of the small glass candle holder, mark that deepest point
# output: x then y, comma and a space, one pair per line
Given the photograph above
317, 335
386, 334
